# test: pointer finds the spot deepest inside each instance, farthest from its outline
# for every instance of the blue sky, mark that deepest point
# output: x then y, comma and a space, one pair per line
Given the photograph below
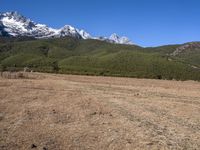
145, 22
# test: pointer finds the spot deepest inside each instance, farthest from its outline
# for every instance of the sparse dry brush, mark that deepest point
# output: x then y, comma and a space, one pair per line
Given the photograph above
14, 75
21, 75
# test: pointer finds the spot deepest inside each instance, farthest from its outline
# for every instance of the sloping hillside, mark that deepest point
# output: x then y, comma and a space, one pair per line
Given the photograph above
94, 57
189, 53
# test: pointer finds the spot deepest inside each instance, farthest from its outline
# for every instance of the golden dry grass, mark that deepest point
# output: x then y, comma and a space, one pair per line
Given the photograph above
60, 112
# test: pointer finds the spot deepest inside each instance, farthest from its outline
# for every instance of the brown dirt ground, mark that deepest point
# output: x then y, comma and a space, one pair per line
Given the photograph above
61, 112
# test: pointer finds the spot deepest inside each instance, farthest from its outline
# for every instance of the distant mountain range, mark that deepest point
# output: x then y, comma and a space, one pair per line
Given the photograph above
14, 24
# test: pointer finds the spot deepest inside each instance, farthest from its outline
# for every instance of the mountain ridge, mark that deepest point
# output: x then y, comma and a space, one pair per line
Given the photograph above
14, 24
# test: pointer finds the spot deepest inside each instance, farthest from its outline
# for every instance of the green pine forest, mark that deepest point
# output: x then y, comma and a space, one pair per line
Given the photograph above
93, 57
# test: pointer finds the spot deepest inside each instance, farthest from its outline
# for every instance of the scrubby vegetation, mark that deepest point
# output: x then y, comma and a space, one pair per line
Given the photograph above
93, 57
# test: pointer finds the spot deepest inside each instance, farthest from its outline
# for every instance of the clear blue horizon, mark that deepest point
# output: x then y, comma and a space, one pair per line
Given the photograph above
145, 22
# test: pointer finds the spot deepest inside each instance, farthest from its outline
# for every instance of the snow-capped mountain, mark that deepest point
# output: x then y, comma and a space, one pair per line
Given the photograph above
121, 40
14, 24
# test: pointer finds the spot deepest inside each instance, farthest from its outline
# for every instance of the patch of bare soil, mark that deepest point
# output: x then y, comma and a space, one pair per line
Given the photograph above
61, 112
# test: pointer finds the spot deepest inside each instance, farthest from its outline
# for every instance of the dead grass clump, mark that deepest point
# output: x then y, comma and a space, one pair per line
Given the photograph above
21, 75
14, 75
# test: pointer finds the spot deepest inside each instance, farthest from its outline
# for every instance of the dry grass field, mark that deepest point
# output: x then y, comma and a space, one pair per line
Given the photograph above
68, 112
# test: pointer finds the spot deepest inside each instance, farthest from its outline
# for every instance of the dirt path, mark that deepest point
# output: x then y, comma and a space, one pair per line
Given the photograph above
60, 112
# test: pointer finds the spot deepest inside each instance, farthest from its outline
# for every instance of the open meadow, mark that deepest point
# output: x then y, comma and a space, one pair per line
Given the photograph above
61, 112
